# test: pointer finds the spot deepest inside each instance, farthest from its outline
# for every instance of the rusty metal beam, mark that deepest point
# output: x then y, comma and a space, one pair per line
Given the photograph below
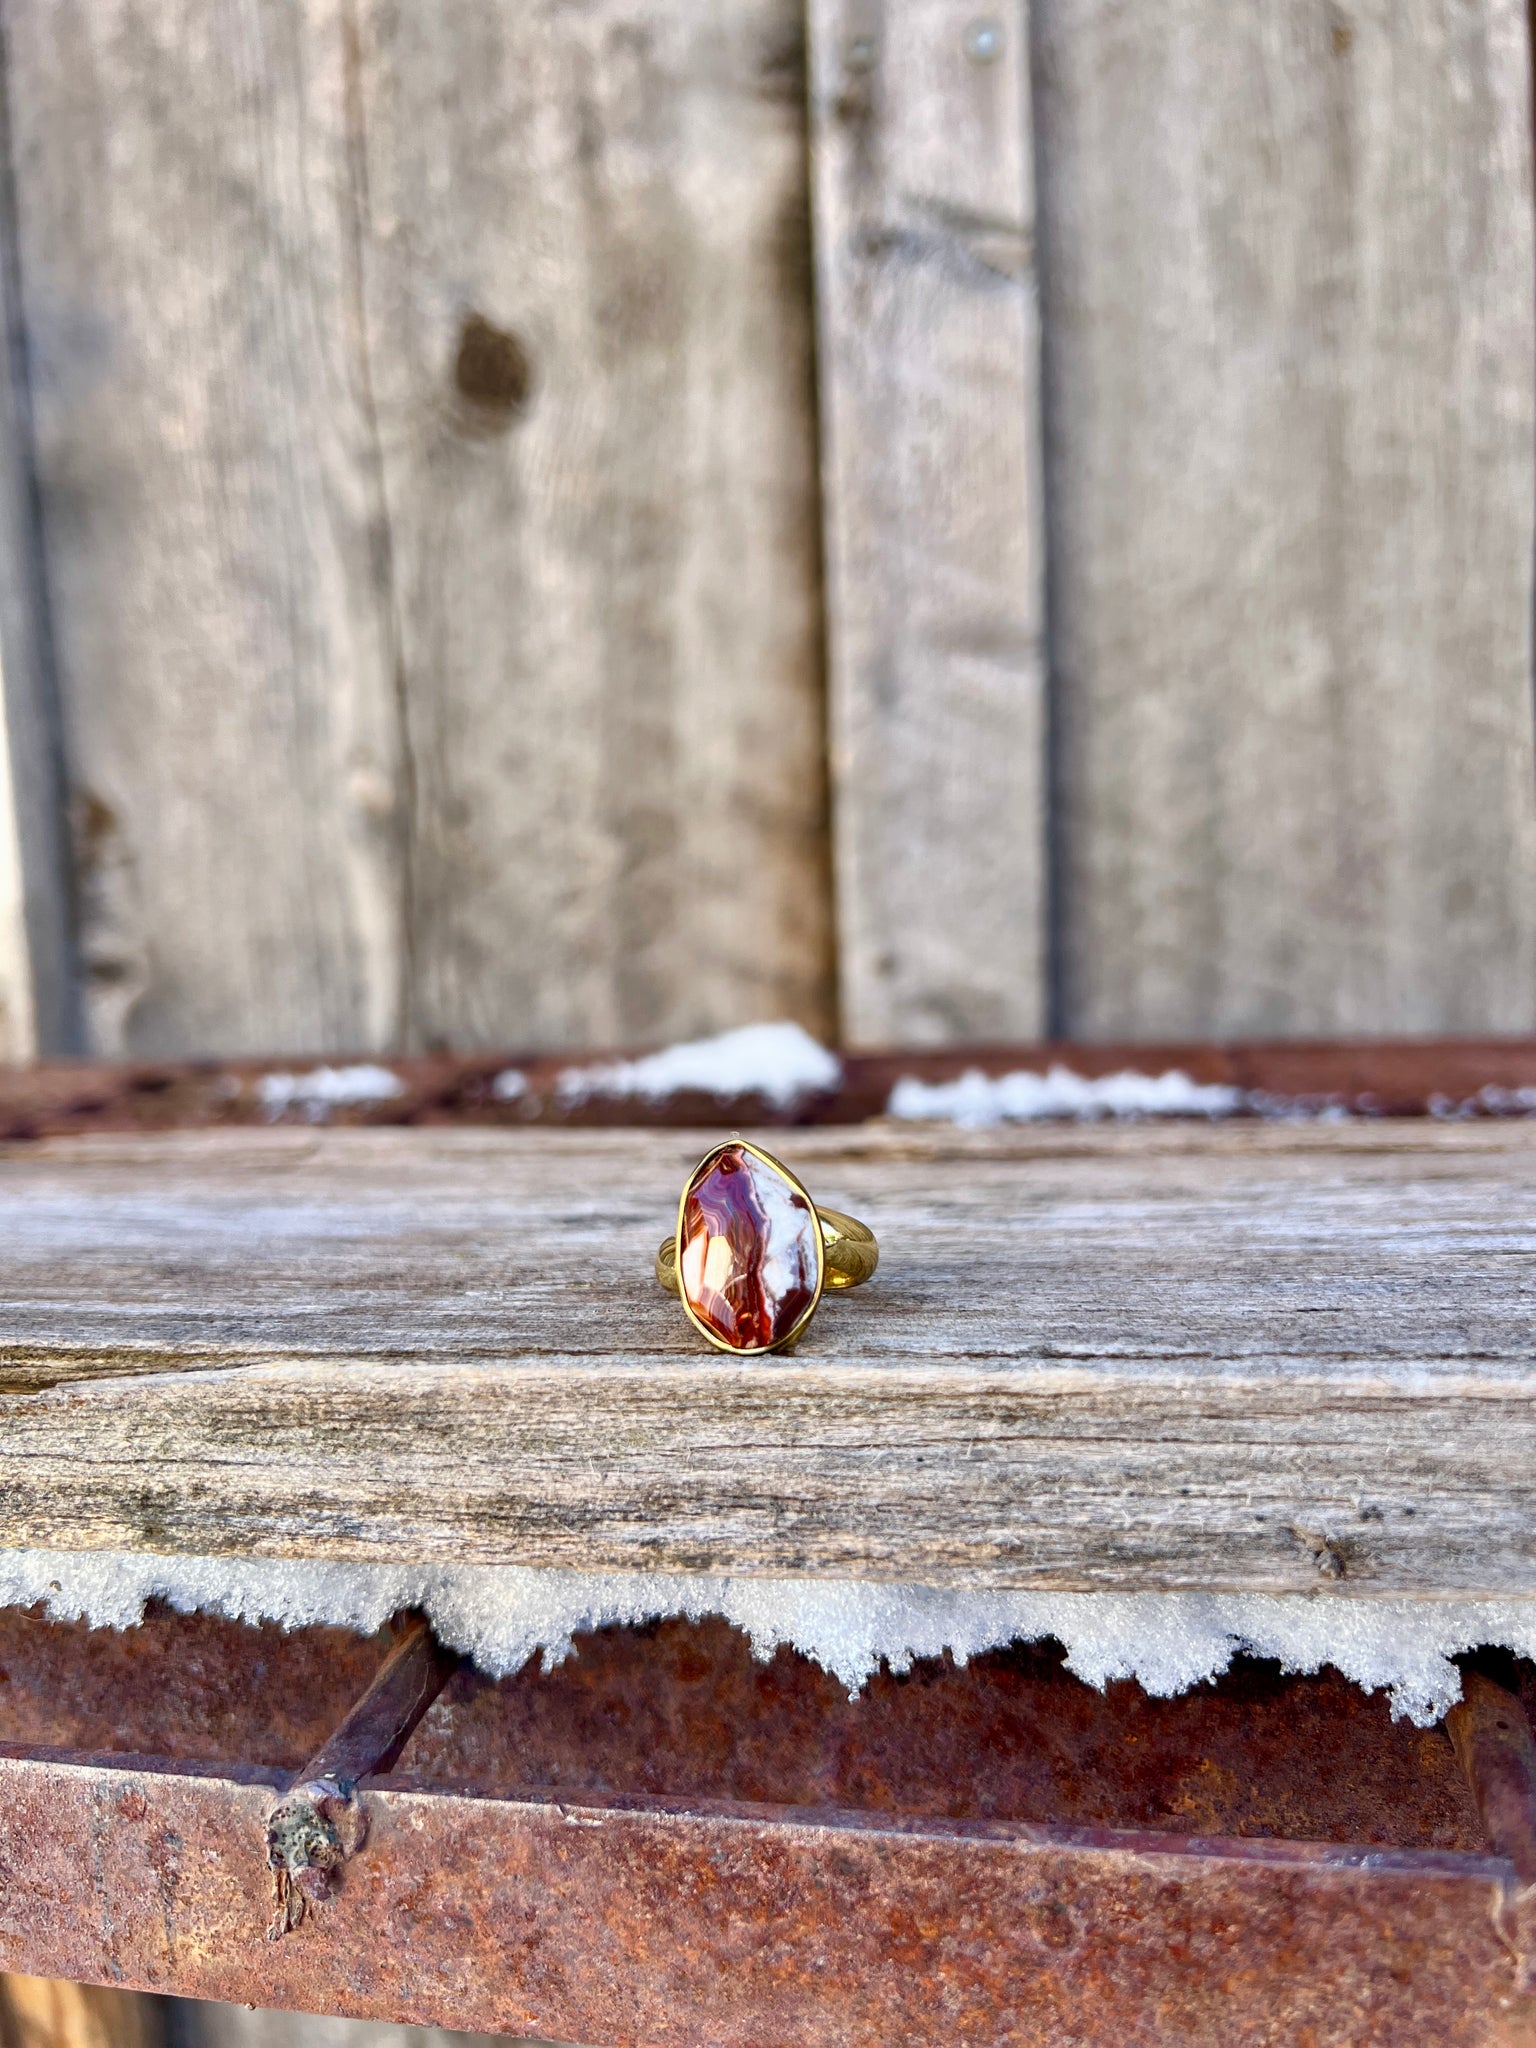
965, 1908
1397, 1077
370, 1736
629, 1921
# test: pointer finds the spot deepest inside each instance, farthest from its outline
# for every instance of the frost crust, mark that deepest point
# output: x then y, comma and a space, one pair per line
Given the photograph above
501, 1615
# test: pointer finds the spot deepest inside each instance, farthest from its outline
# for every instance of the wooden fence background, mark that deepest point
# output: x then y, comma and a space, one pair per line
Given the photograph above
591, 521
553, 522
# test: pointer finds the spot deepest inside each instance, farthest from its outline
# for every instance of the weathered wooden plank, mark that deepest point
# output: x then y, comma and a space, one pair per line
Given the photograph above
39, 1006
586, 285
929, 372
211, 515
1225, 1359
18, 1005
1287, 267
427, 466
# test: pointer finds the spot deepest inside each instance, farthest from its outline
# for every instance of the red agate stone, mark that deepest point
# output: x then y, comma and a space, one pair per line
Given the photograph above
747, 1250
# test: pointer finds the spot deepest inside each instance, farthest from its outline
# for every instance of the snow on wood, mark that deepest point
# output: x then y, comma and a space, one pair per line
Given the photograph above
780, 1062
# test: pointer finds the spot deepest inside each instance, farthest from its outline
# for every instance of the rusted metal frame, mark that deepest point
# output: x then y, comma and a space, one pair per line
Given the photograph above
1493, 1740
320, 1821
1388, 1078
633, 1920
630, 1919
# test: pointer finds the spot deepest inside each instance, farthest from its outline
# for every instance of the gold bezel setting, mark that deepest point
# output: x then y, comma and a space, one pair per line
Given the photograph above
792, 1335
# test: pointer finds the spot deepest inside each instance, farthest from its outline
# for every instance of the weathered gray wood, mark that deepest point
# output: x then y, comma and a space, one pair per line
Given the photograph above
39, 997
425, 685
211, 515
1287, 270
929, 373
607, 594
18, 1005
1095, 1359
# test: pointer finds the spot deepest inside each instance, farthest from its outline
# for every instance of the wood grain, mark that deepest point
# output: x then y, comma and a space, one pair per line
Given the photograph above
607, 590
210, 516
1261, 1358
929, 379
39, 996
420, 693
18, 1003
1287, 263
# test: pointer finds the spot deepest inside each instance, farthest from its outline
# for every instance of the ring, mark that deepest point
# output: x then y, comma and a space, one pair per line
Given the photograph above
757, 1251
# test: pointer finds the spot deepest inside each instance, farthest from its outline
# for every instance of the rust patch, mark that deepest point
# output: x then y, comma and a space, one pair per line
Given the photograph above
664, 1841
1462, 1077
663, 1923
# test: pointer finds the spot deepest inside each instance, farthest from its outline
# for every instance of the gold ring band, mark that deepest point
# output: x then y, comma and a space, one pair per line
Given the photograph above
758, 1253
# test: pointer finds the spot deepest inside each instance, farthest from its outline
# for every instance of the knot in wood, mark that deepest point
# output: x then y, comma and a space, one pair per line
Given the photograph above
491, 374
